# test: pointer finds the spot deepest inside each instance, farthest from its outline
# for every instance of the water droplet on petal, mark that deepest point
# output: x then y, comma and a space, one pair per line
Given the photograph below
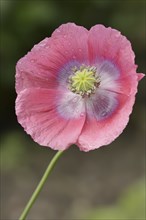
80, 50
47, 47
75, 99
104, 113
64, 36
32, 60
77, 110
42, 44
74, 57
82, 114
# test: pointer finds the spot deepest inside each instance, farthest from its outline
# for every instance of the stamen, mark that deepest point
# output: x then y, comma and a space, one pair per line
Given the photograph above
84, 80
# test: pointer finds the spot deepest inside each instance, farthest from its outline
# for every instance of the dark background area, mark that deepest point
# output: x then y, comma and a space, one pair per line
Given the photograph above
82, 182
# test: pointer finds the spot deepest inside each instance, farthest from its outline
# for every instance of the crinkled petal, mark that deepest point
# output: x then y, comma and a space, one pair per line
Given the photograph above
108, 44
41, 67
71, 40
102, 105
71, 105
111, 80
106, 122
31, 73
108, 74
37, 112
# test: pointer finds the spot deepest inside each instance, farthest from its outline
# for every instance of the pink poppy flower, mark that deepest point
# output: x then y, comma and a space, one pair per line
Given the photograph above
77, 87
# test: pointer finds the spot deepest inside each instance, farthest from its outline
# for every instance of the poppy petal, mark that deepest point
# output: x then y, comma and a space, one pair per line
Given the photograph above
37, 112
104, 124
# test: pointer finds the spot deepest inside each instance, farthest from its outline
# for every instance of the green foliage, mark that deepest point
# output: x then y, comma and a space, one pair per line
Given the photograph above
130, 206
12, 151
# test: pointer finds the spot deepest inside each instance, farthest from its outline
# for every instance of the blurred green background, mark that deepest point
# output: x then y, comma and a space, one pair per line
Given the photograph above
107, 183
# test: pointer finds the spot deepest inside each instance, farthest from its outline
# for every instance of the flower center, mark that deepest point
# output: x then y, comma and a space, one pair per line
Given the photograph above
84, 81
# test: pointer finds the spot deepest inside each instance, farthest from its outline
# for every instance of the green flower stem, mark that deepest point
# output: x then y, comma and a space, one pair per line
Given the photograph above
40, 185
